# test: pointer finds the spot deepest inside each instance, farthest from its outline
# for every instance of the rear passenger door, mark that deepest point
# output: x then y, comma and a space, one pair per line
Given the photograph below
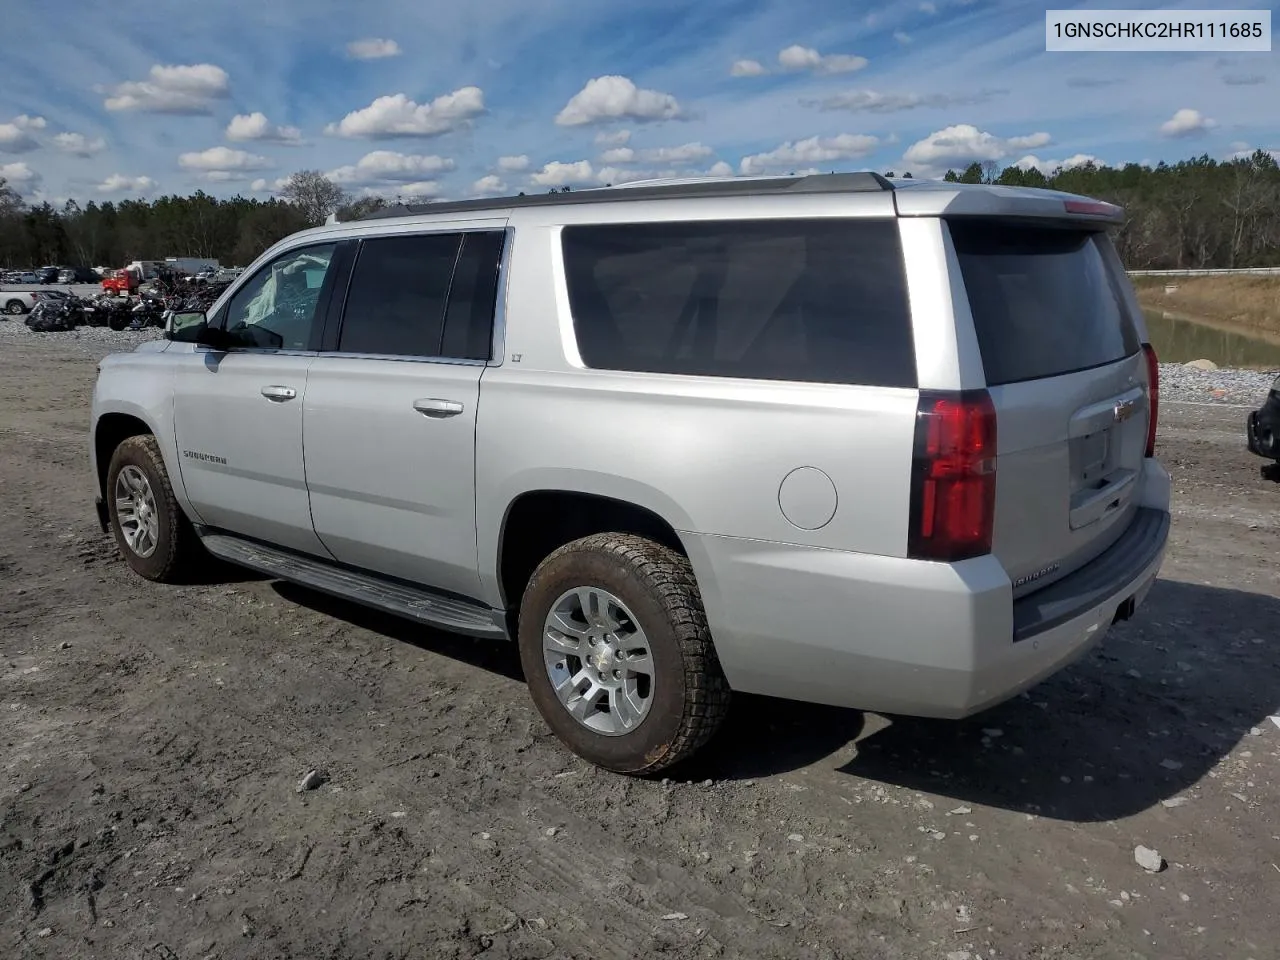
390, 413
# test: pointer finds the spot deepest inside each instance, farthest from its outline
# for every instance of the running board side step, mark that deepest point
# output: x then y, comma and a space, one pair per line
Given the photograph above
370, 590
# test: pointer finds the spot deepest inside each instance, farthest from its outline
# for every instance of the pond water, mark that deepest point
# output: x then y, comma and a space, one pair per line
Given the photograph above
1178, 341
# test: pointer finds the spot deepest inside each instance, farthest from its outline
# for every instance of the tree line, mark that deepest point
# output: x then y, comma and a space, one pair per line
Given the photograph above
1194, 214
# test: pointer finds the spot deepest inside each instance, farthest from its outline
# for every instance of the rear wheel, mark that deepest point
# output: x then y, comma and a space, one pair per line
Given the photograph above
617, 654
14, 308
150, 529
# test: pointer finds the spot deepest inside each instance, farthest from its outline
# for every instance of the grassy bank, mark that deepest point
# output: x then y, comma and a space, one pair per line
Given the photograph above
1250, 305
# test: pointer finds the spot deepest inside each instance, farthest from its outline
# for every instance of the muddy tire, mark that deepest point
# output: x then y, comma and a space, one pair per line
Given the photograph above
149, 527
616, 651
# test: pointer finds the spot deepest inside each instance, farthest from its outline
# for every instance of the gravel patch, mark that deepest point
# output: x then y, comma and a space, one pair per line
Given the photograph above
98, 341
1225, 385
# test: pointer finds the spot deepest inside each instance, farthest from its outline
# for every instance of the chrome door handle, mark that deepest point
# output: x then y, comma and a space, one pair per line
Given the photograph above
438, 408
279, 394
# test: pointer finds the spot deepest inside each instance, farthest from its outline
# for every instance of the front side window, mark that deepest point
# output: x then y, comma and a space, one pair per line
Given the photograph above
280, 306
820, 300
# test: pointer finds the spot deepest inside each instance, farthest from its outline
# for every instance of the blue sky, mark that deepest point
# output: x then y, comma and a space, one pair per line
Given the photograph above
429, 99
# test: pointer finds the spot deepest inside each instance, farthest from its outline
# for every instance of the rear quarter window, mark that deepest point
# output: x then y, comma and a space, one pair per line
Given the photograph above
820, 301
1046, 301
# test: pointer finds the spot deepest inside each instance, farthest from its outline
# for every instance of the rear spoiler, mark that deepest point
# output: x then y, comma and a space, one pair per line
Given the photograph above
989, 200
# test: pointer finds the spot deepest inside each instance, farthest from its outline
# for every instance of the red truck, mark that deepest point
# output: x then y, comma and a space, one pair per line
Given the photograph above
121, 282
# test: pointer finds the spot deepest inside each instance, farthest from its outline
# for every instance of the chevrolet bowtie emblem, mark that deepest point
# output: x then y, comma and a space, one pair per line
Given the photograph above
1123, 410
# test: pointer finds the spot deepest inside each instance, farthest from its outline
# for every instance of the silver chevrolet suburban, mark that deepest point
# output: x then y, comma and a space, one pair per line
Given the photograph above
871, 443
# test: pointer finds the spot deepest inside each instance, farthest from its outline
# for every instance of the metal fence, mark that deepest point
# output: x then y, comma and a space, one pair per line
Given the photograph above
1244, 271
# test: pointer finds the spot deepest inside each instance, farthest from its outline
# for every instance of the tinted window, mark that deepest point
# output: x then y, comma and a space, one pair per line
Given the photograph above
395, 302
278, 307
1045, 301
468, 325
810, 300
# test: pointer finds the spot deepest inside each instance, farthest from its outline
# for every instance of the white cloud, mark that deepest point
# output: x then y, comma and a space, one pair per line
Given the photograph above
844, 146
419, 189
513, 164
874, 101
1048, 166
255, 126
1186, 123
902, 36
261, 185
15, 136
558, 174
18, 175
1242, 151
398, 116
747, 68
490, 185
77, 144
583, 174
613, 138
685, 153
223, 158
187, 89
387, 165
796, 57
119, 183
372, 48
616, 98
965, 143
671, 156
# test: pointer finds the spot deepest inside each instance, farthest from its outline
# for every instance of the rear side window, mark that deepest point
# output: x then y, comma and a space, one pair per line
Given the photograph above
396, 298
473, 295
1045, 301
809, 300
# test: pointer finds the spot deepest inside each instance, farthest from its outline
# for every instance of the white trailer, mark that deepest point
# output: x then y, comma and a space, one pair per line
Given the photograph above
191, 265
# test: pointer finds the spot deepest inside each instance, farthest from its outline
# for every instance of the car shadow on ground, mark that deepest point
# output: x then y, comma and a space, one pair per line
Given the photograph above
496, 656
1271, 471
1141, 719
1144, 718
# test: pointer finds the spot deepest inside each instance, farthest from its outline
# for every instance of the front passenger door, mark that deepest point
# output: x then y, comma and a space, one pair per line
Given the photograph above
238, 412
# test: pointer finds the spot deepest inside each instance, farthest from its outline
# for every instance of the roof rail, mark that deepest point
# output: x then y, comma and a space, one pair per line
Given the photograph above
859, 182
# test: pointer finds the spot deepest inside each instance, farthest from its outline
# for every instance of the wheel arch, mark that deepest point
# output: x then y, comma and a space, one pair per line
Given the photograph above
112, 429
537, 521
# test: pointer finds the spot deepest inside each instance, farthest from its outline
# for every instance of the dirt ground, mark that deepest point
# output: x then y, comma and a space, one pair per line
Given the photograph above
151, 739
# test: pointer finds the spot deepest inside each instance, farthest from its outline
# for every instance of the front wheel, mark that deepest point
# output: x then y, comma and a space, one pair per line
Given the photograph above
149, 526
14, 308
617, 654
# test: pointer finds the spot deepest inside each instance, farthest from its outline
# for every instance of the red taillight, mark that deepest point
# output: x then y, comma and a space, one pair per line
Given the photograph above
953, 476
1153, 396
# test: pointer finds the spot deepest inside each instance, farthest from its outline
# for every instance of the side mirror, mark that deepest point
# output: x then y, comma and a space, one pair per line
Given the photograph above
193, 327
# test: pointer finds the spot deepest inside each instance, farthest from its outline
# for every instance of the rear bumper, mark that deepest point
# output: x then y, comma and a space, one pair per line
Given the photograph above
904, 636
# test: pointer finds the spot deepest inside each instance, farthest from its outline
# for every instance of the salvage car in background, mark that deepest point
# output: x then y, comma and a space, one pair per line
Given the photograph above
17, 302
